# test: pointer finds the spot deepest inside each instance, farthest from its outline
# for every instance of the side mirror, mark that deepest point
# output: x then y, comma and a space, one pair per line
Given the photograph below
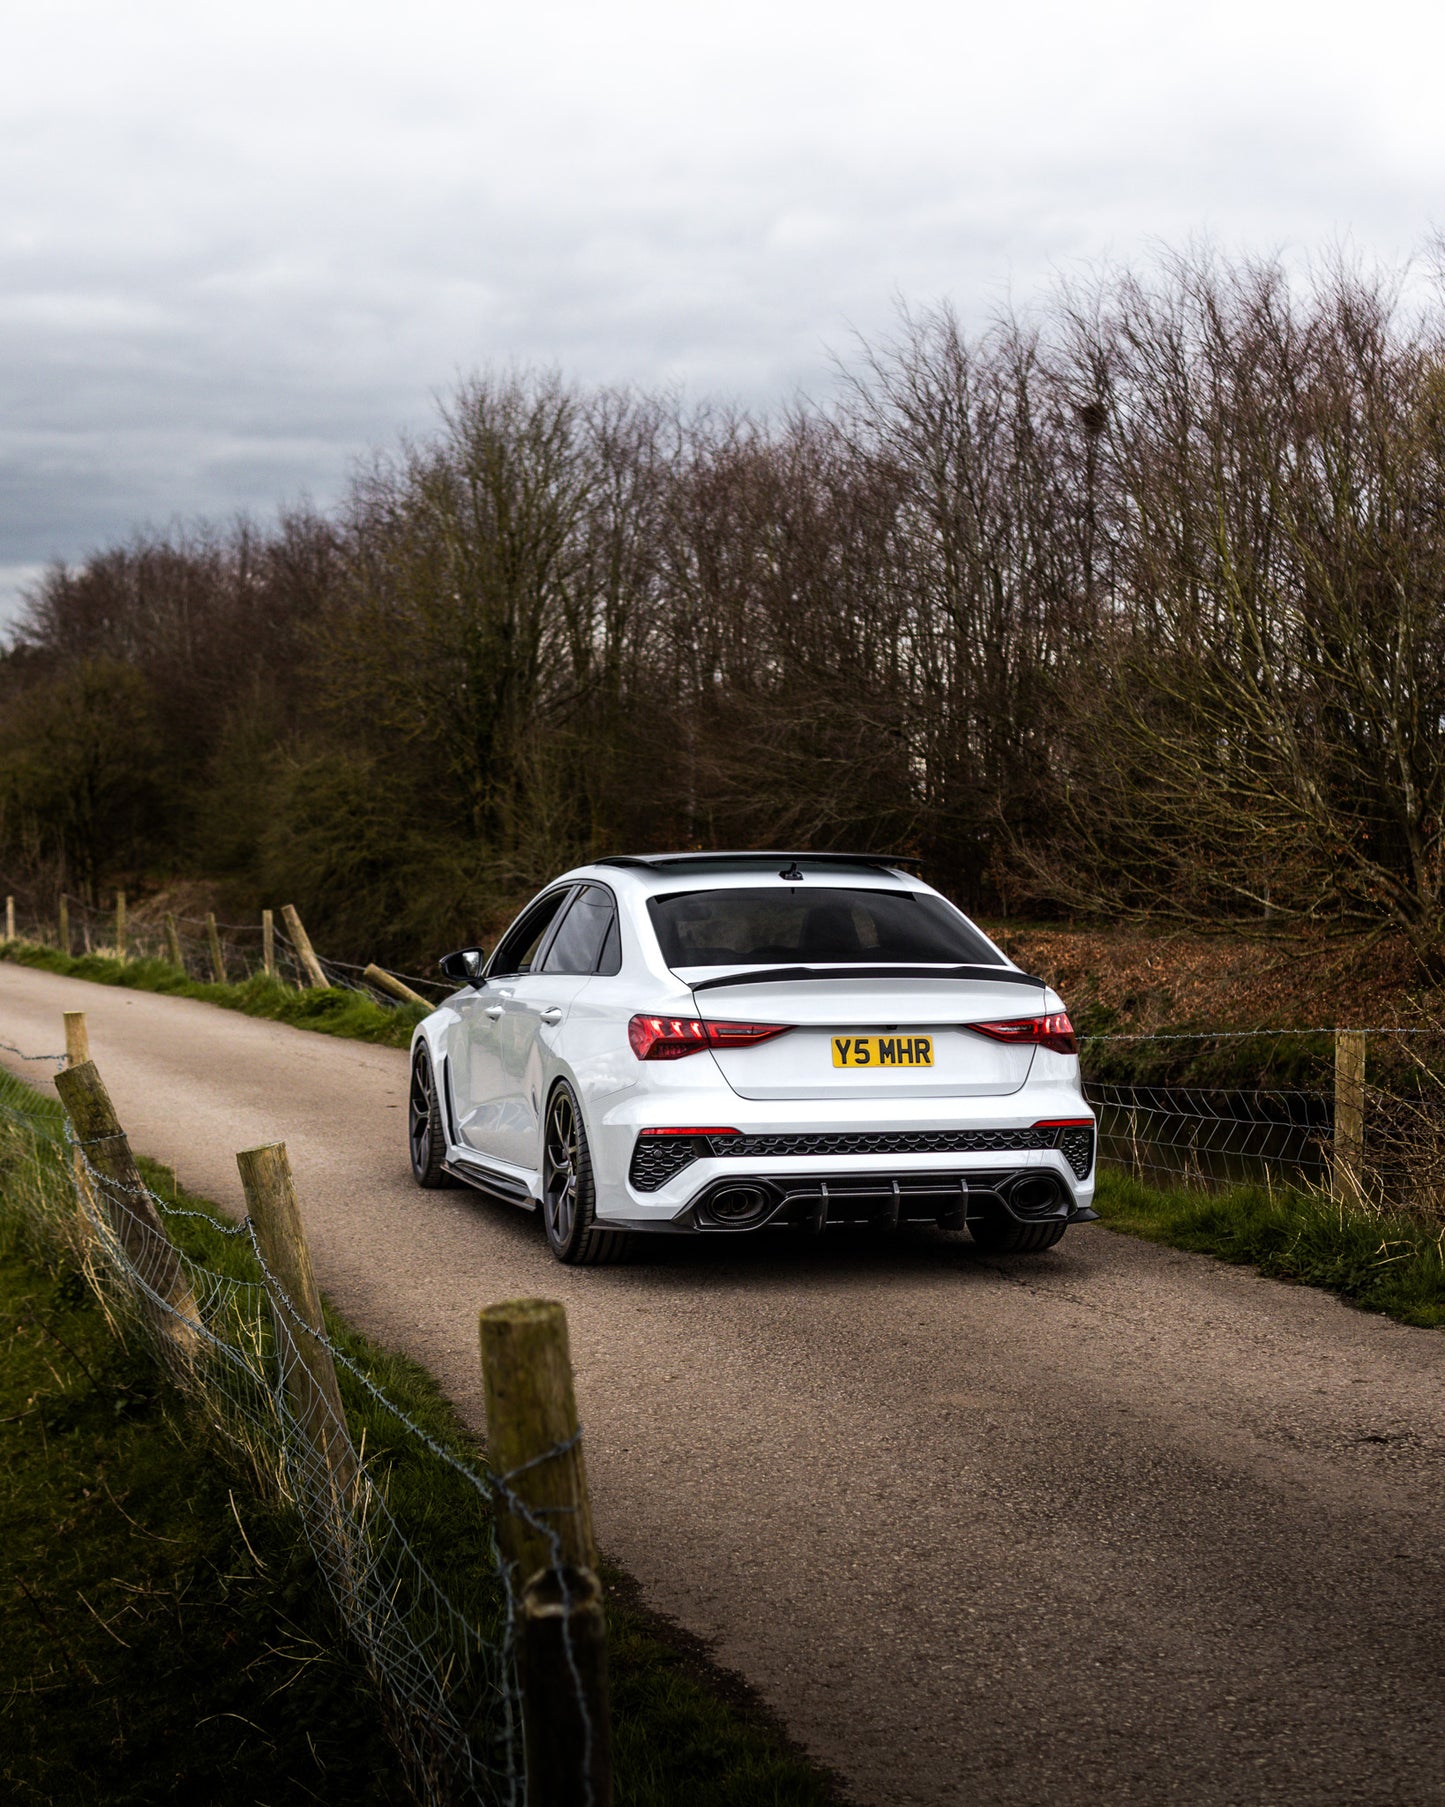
465, 966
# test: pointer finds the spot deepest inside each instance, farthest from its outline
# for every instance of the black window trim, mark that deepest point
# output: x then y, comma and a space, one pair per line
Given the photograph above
544, 947
492, 970
617, 924
614, 928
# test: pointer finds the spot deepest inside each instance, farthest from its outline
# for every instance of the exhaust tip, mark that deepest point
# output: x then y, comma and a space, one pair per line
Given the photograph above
737, 1207
1036, 1196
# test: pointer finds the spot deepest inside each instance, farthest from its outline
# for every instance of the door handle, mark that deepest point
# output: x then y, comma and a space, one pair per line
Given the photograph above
551, 1014
493, 1011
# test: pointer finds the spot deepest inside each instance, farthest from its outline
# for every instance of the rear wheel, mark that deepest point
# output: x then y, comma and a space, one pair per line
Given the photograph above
426, 1136
568, 1193
1003, 1236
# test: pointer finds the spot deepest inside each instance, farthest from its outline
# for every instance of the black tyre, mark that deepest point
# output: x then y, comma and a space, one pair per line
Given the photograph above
426, 1136
568, 1193
1003, 1236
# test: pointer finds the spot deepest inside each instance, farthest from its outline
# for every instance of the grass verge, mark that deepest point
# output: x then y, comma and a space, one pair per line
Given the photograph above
1386, 1264
176, 1639
346, 1013
167, 1637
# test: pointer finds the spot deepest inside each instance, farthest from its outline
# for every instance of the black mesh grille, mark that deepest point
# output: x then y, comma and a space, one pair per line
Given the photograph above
902, 1141
656, 1159
1078, 1147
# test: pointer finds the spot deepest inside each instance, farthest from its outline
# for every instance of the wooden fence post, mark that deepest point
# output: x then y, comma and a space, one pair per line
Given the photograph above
268, 943
173, 942
309, 1372
77, 1052
77, 1039
128, 1206
218, 959
302, 943
533, 1446
566, 1728
64, 914
1349, 1151
9, 918
384, 981
120, 925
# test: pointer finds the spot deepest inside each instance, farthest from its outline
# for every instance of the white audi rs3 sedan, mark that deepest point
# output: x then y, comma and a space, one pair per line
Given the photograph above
717, 1044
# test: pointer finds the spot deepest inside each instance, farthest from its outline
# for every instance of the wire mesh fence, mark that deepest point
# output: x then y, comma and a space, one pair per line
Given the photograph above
1360, 1113
199, 1292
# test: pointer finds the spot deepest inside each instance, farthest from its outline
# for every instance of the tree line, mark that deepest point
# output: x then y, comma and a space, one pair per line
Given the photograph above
1135, 606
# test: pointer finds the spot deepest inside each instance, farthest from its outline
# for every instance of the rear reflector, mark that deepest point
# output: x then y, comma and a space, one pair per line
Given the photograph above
1055, 1032
1057, 1123
687, 1132
670, 1037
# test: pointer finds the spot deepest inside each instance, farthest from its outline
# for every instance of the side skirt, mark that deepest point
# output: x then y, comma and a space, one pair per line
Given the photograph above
499, 1186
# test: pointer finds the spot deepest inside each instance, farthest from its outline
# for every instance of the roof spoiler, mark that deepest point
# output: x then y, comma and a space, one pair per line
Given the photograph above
764, 856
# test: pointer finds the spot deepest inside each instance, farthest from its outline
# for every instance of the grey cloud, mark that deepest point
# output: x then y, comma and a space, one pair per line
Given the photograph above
237, 252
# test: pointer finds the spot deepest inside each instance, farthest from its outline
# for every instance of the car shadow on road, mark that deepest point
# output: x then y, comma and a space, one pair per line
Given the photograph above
789, 1257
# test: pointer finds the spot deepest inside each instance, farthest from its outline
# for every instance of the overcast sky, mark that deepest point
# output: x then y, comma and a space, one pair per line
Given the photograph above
239, 246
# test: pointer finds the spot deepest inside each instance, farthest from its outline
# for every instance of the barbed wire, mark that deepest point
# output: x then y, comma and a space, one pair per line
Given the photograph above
1231, 1035
56, 1060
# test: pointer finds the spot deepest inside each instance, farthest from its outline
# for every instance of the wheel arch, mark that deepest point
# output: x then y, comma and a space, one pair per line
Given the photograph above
562, 1076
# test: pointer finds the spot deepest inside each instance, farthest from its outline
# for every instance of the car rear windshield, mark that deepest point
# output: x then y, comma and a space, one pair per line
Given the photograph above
771, 926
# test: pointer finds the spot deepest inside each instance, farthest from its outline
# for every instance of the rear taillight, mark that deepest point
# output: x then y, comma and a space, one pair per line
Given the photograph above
670, 1037
1055, 1032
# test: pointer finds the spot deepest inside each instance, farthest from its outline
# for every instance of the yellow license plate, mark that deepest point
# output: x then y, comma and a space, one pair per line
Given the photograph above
882, 1050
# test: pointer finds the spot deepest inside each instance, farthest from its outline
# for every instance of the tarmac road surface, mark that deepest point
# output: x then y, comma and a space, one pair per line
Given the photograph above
1109, 1524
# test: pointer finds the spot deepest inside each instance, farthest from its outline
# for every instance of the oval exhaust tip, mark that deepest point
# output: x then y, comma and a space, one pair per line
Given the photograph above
1039, 1195
737, 1206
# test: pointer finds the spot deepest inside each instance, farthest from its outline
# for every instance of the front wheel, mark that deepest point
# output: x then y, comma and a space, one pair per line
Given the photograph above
426, 1136
569, 1195
1003, 1236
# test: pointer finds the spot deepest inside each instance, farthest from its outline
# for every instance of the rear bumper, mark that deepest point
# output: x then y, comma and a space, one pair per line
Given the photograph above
935, 1156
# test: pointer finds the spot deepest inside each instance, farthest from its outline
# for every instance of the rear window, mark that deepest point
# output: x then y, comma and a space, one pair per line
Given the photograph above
770, 926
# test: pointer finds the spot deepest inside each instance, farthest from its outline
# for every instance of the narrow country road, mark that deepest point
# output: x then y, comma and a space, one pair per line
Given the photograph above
1110, 1524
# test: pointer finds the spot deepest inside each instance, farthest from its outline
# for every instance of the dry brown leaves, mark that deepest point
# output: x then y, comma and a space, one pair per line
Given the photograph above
1152, 981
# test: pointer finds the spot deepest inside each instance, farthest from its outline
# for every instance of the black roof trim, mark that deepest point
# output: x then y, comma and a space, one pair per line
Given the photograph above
788, 975
765, 855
